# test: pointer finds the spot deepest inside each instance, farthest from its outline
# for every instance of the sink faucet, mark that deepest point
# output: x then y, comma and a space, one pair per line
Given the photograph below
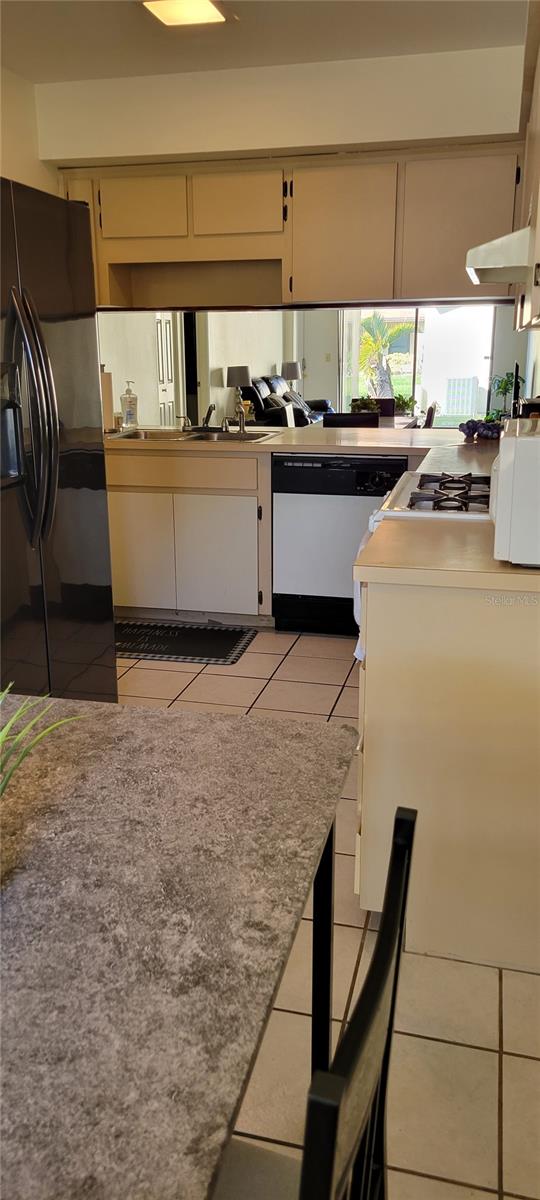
239, 412
206, 419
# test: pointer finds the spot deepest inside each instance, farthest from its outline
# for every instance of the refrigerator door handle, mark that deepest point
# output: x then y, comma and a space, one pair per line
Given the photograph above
18, 320
52, 413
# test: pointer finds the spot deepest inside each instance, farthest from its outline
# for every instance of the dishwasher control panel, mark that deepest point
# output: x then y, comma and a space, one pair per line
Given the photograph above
336, 475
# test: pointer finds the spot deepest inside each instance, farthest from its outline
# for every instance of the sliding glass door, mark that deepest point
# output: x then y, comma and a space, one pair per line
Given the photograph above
434, 354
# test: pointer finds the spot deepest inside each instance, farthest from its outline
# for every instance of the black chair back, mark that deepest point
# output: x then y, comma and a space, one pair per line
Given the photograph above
345, 1126
430, 414
387, 406
350, 420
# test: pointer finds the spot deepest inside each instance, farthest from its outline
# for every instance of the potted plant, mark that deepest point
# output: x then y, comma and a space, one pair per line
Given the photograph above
503, 386
404, 404
364, 404
17, 743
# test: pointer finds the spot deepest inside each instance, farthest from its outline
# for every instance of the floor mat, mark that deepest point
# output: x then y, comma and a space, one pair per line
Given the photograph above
185, 643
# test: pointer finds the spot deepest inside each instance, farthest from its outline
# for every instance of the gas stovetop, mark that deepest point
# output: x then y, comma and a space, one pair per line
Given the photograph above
451, 493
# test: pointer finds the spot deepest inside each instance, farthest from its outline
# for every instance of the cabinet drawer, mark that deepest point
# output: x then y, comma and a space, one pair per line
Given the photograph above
144, 206
182, 471
243, 202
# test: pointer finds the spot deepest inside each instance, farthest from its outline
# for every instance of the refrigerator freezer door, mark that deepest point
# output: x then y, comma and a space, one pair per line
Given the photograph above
24, 657
53, 238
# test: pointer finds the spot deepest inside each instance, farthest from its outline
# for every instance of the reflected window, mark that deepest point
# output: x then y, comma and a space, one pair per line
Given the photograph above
434, 354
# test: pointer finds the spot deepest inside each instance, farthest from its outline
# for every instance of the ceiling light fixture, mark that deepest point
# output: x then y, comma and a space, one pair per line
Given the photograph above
184, 12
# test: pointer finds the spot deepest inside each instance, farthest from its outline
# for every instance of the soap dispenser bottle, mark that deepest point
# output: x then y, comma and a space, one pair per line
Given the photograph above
129, 401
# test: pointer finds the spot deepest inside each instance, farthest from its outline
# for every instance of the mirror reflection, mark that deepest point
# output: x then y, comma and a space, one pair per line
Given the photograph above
290, 367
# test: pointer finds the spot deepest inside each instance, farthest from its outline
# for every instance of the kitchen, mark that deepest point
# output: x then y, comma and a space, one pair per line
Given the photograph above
171, 564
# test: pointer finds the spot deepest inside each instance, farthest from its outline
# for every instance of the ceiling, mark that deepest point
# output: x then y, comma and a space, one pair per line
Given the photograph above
49, 41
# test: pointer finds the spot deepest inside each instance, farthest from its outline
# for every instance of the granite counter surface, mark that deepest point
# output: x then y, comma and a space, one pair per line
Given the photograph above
157, 867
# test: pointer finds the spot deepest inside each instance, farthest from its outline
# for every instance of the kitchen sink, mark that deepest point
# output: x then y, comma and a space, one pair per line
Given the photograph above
220, 435
192, 435
157, 435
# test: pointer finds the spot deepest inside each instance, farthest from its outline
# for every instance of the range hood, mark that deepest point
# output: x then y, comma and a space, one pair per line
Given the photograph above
504, 260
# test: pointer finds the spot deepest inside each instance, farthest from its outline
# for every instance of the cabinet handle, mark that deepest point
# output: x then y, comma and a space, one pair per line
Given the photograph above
285, 211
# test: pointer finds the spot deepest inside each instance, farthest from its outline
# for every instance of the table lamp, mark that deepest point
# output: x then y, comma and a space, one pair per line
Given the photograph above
291, 371
238, 377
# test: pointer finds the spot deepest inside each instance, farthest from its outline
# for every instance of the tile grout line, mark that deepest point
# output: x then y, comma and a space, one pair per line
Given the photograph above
356, 969
444, 1179
469, 962
500, 1064
263, 689
260, 1137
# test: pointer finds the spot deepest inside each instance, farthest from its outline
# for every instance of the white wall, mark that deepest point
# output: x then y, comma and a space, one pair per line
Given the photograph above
128, 349
19, 141
472, 93
254, 339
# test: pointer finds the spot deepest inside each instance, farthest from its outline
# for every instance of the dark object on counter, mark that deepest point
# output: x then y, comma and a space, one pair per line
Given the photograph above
430, 417
356, 420
529, 408
182, 643
57, 612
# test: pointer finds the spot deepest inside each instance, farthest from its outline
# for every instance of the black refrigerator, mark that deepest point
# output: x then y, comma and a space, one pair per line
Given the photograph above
56, 595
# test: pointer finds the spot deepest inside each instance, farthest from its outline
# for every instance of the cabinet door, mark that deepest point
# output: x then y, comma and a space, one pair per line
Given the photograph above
216, 553
343, 232
142, 549
243, 202
144, 206
450, 205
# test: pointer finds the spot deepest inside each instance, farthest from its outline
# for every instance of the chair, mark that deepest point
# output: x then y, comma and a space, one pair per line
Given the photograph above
387, 406
351, 420
430, 414
344, 1144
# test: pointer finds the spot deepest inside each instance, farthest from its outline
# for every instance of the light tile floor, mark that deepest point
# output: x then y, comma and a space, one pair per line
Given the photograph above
464, 1102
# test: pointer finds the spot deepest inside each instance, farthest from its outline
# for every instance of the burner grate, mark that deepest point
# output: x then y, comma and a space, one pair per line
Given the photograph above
451, 493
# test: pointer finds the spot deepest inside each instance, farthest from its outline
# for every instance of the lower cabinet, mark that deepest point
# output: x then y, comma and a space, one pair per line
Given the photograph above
216, 540
142, 549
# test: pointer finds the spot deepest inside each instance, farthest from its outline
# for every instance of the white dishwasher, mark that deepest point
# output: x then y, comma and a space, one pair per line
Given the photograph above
321, 508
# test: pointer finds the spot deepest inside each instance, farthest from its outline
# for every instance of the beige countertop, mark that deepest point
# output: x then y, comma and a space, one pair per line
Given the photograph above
310, 439
441, 553
457, 459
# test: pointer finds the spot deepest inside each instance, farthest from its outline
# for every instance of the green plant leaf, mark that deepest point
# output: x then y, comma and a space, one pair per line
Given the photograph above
26, 750
17, 738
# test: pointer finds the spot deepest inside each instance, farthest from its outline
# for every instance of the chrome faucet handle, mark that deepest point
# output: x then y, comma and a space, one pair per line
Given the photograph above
185, 423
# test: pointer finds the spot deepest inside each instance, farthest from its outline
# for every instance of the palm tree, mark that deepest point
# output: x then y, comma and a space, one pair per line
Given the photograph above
376, 342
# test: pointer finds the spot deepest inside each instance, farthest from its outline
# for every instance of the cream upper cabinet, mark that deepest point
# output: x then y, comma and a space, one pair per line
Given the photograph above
343, 232
142, 549
144, 206
238, 202
216, 540
450, 205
